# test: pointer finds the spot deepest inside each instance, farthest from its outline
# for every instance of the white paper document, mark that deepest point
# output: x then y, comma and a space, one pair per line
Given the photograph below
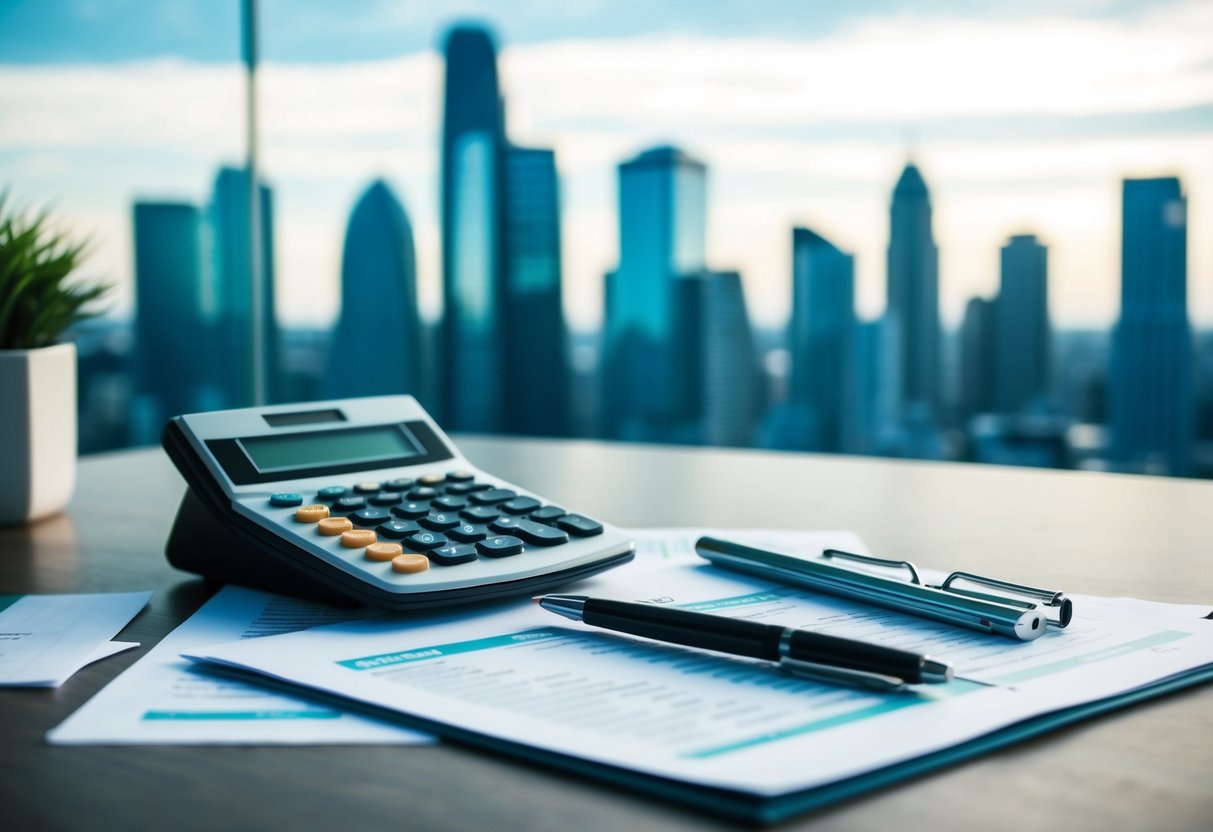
524, 675
44, 639
163, 699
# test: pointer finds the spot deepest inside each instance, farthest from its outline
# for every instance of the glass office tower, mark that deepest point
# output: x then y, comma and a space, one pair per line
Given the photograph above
377, 344
662, 231
1149, 383
473, 230
536, 354
913, 294
821, 337
1022, 357
229, 214
173, 366
978, 362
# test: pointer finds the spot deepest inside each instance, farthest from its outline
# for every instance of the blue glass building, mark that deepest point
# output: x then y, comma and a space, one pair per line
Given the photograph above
536, 351
1023, 326
978, 363
1151, 411
662, 235
913, 294
377, 344
821, 338
233, 340
173, 364
473, 230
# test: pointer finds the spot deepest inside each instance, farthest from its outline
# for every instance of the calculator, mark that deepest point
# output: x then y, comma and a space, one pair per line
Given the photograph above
366, 500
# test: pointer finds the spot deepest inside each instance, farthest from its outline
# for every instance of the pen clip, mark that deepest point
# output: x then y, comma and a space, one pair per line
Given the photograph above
841, 675
887, 563
1062, 607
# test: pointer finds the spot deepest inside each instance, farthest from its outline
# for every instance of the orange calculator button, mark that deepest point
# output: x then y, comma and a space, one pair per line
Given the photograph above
357, 538
311, 514
335, 525
410, 563
383, 551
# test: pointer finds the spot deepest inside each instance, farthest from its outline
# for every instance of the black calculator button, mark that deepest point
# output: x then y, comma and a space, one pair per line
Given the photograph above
481, 514
452, 554
348, 504
440, 521
468, 533
521, 505
331, 493
367, 488
449, 503
460, 476
504, 525
579, 526
411, 510
423, 493
431, 479
425, 540
539, 534
398, 484
370, 516
547, 514
463, 488
500, 546
398, 529
386, 498
492, 495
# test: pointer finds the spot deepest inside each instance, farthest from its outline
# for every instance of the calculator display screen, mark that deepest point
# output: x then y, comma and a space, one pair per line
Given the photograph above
329, 447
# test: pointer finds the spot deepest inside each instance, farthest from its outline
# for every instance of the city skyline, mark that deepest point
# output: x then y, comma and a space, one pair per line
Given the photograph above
1039, 148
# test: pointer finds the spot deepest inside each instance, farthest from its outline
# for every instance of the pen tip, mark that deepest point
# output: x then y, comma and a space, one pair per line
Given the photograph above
537, 598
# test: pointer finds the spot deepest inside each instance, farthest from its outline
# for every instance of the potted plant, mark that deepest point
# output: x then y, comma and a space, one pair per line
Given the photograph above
37, 370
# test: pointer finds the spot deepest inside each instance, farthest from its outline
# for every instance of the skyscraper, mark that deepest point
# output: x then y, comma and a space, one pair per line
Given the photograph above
229, 213
1022, 355
473, 230
1149, 384
536, 352
978, 362
377, 344
662, 231
172, 368
913, 293
821, 336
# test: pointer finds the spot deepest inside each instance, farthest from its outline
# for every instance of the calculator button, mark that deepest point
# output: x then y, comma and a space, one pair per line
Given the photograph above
411, 510
440, 521
348, 504
410, 563
386, 498
481, 514
504, 525
468, 533
521, 505
331, 492
357, 538
383, 552
431, 479
398, 484
492, 495
311, 514
331, 526
449, 503
286, 499
398, 529
467, 487
370, 516
423, 493
453, 554
427, 540
547, 514
537, 533
460, 476
579, 526
367, 488
500, 547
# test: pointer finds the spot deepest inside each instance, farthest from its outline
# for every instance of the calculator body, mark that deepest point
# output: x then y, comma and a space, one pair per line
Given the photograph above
258, 477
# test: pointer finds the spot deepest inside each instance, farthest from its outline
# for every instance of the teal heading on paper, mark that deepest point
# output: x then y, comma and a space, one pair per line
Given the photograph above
422, 653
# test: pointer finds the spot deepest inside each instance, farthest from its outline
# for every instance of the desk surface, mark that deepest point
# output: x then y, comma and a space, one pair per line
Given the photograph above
1147, 767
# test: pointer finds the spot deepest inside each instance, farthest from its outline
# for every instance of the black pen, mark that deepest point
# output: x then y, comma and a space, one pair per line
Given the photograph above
802, 652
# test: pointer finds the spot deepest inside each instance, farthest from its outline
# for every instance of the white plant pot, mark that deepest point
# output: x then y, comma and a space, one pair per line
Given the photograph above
38, 423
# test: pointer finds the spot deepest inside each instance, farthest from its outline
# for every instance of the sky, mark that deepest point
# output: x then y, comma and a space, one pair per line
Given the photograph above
1024, 118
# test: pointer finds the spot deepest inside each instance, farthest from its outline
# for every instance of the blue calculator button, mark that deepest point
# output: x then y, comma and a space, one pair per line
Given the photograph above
386, 498
440, 521
492, 495
286, 499
427, 540
423, 493
411, 510
398, 529
468, 533
500, 547
452, 554
370, 516
331, 492
460, 476
349, 504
